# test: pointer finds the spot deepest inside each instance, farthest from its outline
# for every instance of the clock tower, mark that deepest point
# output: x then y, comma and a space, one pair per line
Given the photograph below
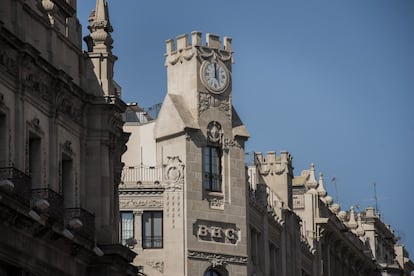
200, 141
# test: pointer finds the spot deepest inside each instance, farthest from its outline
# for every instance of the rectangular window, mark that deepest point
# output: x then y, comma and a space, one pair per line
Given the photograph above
127, 226
35, 160
68, 187
3, 141
152, 230
212, 169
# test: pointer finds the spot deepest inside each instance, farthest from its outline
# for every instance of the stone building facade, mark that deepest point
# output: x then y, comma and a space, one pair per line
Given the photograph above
61, 142
190, 206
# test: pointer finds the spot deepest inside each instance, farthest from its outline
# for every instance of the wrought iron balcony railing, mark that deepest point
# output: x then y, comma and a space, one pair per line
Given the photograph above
56, 210
21, 182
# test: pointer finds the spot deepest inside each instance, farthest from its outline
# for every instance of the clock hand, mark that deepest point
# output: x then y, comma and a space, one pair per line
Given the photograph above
215, 70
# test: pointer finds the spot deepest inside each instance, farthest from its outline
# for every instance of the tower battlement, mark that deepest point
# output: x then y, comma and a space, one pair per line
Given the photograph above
212, 41
272, 158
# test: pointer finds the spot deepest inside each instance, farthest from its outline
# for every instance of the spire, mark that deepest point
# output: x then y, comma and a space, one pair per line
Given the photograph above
360, 230
311, 182
321, 189
352, 222
100, 28
99, 44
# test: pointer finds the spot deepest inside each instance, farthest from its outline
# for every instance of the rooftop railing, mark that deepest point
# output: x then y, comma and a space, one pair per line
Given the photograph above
142, 174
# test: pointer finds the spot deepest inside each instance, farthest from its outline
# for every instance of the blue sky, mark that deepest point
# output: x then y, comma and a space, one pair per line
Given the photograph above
332, 82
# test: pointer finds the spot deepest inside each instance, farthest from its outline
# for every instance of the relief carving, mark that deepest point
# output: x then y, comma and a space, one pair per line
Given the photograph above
180, 56
135, 203
217, 259
214, 132
207, 100
228, 143
272, 168
174, 174
158, 265
207, 53
8, 60
216, 201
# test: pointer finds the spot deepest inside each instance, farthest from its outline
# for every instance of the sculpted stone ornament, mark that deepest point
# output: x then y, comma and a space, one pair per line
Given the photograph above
180, 56
207, 100
216, 201
217, 259
158, 265
134, 203
214, 54
174, 174
272, 168
214, 132
228, 143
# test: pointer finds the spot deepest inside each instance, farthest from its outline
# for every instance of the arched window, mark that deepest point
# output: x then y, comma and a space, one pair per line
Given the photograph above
211, 272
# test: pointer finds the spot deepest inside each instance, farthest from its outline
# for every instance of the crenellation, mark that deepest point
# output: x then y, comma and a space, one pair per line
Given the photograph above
196, 39
170, 46
228, 44
182, 42
212, 41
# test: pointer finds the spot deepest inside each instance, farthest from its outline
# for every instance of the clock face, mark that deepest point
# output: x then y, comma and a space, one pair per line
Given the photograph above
214, 76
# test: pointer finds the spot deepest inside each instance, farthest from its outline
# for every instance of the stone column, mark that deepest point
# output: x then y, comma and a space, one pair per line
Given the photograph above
138, 228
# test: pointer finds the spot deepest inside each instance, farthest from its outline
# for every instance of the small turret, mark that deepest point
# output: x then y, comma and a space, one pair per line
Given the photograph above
276, 172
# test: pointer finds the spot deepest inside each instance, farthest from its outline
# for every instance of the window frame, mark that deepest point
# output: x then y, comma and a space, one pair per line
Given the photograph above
213, 168
123, 241
153, 238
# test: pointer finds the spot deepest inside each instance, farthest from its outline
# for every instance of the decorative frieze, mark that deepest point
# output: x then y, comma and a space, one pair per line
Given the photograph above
140, 203
217, 259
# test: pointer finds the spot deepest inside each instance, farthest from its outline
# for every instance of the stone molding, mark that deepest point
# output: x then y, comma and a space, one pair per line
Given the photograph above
217, 259
135, 203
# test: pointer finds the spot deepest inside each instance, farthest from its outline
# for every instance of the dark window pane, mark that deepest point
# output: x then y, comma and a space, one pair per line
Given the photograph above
152, 232
127, 226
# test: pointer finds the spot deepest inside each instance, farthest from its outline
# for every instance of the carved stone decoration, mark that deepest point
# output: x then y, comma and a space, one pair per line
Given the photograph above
228, 143
207, 100
174, 174
217, 259
67, 147
214, 132
216, 201
272, 168
158, 265
180, 56
8, 60
135, 203
214, 54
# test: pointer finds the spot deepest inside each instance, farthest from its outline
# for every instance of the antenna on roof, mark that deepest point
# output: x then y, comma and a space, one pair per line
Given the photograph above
336, 189
375, 197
